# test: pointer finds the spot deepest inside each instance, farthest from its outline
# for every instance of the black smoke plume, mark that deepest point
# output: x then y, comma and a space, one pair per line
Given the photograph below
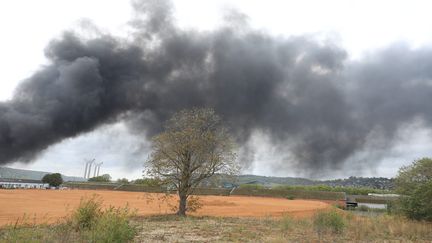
305, 94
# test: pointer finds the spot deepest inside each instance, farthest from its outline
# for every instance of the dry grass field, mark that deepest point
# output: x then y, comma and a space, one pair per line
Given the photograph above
48, 206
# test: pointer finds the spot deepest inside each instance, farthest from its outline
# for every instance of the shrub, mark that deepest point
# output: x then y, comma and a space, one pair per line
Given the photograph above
53, 180
123, 181
87, 213
290, 197
97, 225
329, 221
112, 226
414, 182
102, 178
152, 182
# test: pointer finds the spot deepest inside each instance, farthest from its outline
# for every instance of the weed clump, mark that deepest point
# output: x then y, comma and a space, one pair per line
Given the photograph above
112, 225
87, 213
329, 221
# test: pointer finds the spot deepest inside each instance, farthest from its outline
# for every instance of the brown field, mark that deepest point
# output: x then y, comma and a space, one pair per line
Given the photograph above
48, 206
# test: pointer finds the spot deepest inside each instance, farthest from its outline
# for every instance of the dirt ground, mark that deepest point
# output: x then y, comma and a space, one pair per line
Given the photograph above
47, 206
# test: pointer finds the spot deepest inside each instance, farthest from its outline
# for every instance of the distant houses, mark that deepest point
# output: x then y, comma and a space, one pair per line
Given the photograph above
22, 184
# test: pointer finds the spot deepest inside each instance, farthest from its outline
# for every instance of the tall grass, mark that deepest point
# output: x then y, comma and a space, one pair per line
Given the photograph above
329, 221
88, 213
89, 222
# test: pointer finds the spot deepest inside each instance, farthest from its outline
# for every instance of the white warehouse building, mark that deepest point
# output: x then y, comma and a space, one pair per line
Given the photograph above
22, 183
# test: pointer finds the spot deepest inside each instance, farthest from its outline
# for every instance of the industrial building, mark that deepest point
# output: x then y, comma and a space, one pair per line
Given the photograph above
22, 184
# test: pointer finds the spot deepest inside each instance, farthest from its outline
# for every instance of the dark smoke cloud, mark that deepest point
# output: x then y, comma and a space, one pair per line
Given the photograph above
305, 94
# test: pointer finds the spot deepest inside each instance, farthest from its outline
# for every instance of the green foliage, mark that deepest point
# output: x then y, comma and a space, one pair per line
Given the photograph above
102, 178
123, 181
112, 226
152, 182
193, 147
87, 213
414, 182
290, 197
282, 192
54, 180
329, 221
98, 225
252, 186
347, 190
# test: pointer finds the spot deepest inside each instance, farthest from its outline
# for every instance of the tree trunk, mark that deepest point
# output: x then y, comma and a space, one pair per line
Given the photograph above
182, 204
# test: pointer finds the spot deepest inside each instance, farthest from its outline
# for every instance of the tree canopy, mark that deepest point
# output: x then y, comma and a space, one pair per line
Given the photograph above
54, 180
194, 146
414, 183
102, 178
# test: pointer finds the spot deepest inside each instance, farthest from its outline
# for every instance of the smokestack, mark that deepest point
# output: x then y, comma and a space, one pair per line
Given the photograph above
89, 168
99, 165
85, 171
95, 169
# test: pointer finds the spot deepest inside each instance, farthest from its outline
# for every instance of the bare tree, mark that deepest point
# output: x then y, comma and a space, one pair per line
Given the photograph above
194, 146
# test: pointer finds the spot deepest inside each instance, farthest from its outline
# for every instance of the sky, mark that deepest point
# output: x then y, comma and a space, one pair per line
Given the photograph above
360, 27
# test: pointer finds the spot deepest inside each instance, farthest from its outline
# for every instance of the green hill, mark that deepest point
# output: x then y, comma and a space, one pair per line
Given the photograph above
6, 172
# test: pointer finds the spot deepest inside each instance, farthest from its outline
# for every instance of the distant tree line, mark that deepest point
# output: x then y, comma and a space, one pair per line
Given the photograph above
102, 178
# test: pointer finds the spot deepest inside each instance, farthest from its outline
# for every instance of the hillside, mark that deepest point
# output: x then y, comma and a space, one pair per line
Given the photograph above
269, 181
6, 172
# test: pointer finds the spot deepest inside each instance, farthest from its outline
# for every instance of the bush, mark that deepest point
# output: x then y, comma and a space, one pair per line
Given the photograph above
112, 226
53, 180
151, 182
98, 225
329, 221
123, 181
290, 197
102, 178
414, 182
87, 213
